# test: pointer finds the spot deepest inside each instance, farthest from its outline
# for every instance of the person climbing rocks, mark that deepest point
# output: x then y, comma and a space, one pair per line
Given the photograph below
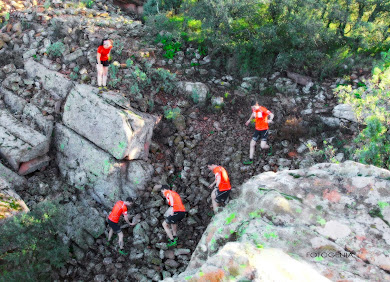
113, 219
260, 114
174, 214
103, 61
222, 183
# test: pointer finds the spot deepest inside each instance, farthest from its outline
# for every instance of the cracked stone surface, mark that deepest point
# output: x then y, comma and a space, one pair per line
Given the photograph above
328, 216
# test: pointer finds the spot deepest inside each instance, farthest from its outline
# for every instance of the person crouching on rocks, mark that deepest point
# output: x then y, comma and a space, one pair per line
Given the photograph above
174, 214
222, 183
103, 56
113, 219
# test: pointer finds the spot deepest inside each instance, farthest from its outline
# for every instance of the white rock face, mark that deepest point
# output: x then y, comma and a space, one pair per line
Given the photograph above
315, 215
121, 132
20, 143
334, 230
194, 88
344, 111
57, 84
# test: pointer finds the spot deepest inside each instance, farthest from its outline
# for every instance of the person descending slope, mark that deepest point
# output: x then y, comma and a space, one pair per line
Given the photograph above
174, 214
260, 114
113, 220
222, 183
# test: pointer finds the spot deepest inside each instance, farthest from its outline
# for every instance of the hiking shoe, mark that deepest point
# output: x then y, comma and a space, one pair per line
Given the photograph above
248, 162
122, 252
105, 88
171, 243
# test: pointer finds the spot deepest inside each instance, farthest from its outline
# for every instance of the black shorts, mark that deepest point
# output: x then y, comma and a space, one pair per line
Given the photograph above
176, 217
262, 134
105, 63
221, 196
114, 226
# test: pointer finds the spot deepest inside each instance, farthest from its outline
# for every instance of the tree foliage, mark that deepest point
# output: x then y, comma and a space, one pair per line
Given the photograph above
371, 104
316, 37
31, 246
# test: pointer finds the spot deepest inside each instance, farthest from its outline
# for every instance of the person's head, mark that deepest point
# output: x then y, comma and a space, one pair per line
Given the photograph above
164, 188
255, 104
129, 201
211, 164
106, 43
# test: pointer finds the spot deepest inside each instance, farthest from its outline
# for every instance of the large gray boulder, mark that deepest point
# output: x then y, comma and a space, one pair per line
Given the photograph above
194, 89
345, 111
57, 84
109, 122
20, 143
85, 165
331, 216
239, 262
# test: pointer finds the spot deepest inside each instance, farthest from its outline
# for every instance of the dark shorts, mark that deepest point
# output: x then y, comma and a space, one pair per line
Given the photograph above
114, 226
176, 217
221, 196
105, 63
260, 134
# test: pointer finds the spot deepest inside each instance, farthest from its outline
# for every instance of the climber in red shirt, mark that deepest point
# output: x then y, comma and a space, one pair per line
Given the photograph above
260, 114
103, 58
113, 220
173, 215
222, 183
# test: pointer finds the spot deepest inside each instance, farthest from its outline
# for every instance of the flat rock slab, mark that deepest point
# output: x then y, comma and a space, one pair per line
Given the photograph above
85, 165
20, 143
108, 122
57, 84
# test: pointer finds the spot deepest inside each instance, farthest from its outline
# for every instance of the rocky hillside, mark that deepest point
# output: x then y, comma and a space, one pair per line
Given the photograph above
160, 122
333, 217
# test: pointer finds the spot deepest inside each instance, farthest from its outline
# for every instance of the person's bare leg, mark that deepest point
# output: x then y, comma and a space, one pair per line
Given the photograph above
120, 235
167, 230
215, 204
252, 149
105, 73
174, 230
110, 234
99, 76
264, 145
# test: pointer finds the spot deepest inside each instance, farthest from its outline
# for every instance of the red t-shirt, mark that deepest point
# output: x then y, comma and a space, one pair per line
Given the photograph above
224, 185
117, 211
174, 201
104, 52
261, 118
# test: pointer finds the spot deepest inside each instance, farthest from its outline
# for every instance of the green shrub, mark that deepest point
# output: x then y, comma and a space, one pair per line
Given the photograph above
164, 80
114, 80
88, 3
56, 49
152, 7
371, 103
374, 144
31, 246
317, 38
171, 113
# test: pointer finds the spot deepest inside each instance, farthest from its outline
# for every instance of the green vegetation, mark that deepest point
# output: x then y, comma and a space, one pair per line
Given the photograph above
371, 104
171, 113
56, 49
318, 38
88, 3
33, 246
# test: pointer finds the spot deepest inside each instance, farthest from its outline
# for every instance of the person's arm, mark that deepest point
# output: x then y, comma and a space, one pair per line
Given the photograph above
216, 181
109, 56
98, 55
250, 118
126, 217
271, 117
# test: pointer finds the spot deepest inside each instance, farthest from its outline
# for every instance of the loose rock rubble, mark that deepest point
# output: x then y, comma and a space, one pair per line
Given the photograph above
88, 150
